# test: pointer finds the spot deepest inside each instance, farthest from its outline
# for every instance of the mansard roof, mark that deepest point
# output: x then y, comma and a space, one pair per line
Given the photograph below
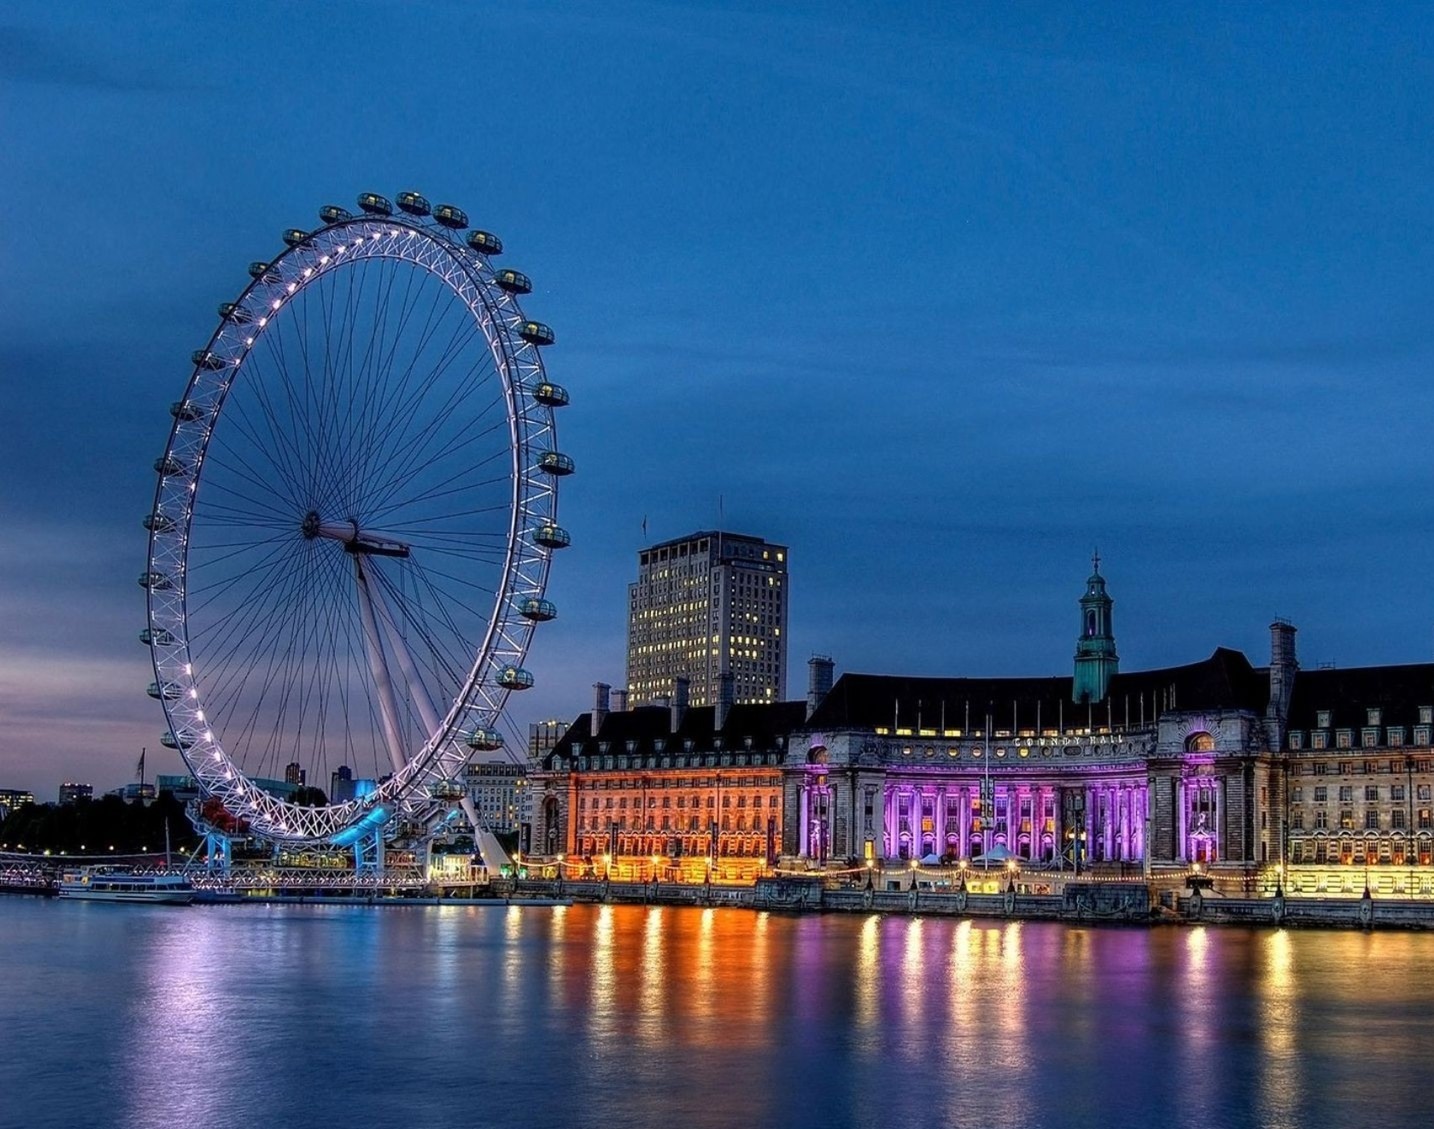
649, 725
1398, 691
1225, 680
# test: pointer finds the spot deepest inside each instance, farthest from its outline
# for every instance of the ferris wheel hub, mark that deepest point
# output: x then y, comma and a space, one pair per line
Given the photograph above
354, 539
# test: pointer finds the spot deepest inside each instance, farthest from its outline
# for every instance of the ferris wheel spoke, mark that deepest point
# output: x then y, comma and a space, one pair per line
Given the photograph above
395, 411
302, 444
286, 447
339, 632
374, 369
260, 506
459, 602
417, 615
247, 543
244, 519
415, 523
410, 455
303, 397
217, 638
446, 487
281, 540
421, 459
241, 468
225, 645
419, 453
274, 658
305, 674
238, 423
339, 459
398, 415
457, 556
218, 586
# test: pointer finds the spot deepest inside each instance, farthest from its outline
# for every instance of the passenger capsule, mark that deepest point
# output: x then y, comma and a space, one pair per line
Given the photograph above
485, 740
263, 271
231, 312
556, 463
447, 790
449, 216
413, 203
158, 523
485, 243
514, 282
181, 740
186, 411
539, 611
332, 213
553, 395
169, 465
294, 236
156, 637
165, 691
515, 678
155, 581
552, 536
536, 333
204, 359
375, 205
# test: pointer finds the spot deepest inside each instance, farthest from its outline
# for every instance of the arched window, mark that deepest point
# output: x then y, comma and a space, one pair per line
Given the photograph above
1089, 622
1200, 743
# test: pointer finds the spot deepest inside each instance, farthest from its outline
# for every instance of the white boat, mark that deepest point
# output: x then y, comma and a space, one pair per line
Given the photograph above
116, 884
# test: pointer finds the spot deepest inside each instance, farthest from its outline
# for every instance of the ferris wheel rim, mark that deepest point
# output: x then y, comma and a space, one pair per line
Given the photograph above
518, 365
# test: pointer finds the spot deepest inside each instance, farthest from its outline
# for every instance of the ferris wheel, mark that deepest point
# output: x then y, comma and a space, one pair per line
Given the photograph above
353, 524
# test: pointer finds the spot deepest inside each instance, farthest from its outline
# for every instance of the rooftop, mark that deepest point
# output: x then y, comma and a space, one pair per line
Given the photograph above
647, 725
1225, 680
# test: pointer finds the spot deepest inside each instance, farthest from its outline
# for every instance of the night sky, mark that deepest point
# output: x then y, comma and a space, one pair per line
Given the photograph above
940, 296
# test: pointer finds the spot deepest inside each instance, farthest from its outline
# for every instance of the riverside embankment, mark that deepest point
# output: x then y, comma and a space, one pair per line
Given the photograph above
1091, 902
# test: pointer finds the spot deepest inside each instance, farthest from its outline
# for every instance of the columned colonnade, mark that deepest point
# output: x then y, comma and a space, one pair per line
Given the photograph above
1034, 820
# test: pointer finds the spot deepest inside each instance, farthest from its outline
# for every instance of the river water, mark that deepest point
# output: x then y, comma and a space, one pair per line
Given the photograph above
627, 1016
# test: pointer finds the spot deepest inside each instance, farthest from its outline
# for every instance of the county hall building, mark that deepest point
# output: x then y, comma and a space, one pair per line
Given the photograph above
1320, 780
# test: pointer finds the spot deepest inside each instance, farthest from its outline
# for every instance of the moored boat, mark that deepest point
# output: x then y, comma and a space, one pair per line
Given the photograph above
117, 884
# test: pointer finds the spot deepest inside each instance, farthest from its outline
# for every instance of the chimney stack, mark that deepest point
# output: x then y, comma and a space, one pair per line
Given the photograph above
619, 701
726, 683
819, 681
680, 687
1283, 666
600, 693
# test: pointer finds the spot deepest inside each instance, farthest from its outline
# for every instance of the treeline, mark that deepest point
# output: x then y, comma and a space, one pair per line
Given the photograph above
95, 826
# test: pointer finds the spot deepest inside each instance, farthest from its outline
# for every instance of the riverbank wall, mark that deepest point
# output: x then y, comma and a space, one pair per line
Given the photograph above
1131, 903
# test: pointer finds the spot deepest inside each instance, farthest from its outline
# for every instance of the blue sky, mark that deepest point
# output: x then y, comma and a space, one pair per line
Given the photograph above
940, 296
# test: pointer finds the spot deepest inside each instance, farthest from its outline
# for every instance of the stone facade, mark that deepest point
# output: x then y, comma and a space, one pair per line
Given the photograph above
673, 791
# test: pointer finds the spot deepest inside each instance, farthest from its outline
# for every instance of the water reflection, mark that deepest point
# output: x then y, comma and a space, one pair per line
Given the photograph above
633, 1016
1279, 1029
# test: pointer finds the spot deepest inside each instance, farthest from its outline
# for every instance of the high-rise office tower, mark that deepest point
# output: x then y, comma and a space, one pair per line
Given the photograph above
706, 605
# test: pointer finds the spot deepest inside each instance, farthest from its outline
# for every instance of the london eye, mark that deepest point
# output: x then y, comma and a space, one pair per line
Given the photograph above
353, 523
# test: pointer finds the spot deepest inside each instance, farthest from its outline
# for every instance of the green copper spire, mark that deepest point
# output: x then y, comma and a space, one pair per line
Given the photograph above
1095, 657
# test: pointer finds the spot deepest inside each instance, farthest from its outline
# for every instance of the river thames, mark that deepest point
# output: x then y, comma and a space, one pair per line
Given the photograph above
627, 1016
